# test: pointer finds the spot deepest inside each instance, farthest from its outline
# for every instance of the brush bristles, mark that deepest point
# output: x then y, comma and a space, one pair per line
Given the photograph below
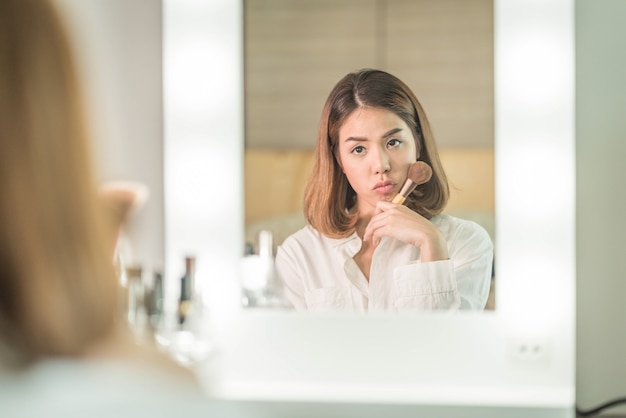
420, 172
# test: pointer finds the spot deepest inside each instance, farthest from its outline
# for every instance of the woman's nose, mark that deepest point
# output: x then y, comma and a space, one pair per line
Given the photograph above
381, 163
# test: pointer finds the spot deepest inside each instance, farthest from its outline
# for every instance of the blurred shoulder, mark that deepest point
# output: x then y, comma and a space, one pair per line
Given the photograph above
305, 236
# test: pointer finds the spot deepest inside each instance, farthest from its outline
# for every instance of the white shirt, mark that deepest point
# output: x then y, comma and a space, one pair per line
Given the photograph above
319, 273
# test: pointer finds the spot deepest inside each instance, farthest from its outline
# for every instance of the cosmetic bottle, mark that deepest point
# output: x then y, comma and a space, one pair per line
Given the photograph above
186, 290
136, 309
261, 286
120, 268
155, 302
272, 295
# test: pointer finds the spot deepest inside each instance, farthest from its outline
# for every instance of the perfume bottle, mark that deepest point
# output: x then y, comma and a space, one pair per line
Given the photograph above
272, 295
155, 302
136, 310
186, 290
261, 286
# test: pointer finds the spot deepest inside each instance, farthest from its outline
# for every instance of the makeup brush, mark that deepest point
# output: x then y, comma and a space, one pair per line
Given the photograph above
419, 173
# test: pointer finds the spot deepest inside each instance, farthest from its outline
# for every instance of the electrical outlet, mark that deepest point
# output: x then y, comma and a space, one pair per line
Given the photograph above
529, 350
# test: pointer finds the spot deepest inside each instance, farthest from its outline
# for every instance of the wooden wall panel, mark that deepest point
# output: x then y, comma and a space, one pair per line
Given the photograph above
443, 49
471, 175
275, 181
295, 51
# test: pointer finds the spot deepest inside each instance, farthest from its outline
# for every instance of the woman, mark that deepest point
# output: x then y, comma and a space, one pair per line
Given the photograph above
59, 320
360, 251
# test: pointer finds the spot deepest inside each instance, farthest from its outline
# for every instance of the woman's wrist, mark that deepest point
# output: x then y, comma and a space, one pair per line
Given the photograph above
434, 248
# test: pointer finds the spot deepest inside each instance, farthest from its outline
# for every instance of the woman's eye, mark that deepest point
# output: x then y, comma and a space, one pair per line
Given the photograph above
393, 143
358, 149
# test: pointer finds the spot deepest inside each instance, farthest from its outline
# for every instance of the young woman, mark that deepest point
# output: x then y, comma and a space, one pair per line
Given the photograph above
361, 252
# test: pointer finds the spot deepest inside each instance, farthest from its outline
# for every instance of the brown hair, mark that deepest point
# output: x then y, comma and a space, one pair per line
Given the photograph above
57, 284
328, 195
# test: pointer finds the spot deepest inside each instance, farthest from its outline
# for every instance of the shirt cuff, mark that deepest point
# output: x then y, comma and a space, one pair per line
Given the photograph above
425, 278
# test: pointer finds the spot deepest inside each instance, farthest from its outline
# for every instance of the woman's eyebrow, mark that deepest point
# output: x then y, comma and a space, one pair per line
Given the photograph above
355, 139
392, 132
362, 139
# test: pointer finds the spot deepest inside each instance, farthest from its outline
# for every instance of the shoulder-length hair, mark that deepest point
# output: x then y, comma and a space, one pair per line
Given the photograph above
58, 288
328, 195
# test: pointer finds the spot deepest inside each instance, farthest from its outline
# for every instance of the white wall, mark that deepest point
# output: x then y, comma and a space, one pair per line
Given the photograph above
601, 201
119, 48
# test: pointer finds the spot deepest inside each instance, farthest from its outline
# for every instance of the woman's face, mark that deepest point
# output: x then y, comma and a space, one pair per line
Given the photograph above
375, 150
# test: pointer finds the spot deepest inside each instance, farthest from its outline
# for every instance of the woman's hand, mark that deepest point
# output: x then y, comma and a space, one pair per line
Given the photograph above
401, 223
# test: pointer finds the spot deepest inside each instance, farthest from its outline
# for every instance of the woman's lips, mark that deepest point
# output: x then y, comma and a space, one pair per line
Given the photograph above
384, 187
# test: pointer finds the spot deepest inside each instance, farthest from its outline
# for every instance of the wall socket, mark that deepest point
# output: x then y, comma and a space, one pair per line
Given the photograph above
530, 350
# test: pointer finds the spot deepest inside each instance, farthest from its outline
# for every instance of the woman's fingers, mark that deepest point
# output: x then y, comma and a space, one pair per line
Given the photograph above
403, 224
396, 221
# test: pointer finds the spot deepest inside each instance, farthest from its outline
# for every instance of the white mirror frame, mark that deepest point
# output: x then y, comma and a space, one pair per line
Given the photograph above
520, 356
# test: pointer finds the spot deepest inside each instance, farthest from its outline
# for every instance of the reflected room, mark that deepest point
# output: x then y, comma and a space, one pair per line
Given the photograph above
294, 52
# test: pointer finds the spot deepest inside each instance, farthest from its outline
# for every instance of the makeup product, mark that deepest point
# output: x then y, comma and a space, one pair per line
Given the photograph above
135, 308
261, 286
419, 173
272, 296
187, 286
155, 301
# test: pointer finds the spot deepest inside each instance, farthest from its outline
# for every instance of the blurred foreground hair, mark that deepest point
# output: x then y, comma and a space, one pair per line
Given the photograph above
57, 285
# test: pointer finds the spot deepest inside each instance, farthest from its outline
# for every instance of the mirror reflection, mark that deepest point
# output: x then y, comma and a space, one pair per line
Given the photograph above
295, 52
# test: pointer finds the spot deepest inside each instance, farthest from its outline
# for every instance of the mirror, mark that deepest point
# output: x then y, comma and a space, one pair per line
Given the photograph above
294, 53
475, 363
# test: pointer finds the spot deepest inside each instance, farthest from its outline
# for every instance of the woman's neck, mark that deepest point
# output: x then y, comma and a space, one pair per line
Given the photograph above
361, 224
364, 214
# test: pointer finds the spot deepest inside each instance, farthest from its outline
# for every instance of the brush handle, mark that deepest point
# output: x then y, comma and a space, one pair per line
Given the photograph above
398, 199
406, 190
